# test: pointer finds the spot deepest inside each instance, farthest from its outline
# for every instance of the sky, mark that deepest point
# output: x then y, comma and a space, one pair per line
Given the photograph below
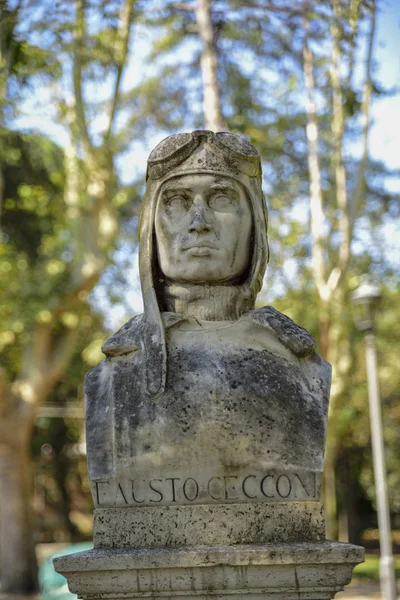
39, 114
385, 134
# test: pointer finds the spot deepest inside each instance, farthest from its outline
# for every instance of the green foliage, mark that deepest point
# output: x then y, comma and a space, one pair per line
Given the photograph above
155, 103
32, 60
33, 248
35, 257
33, 206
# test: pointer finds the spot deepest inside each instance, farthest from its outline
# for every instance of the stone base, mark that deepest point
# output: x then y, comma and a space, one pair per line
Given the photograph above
209, 524
302, 571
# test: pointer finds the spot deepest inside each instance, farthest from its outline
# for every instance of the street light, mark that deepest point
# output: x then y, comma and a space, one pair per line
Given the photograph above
366, 297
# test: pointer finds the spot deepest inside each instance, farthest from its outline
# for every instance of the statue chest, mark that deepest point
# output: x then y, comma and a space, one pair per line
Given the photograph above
230, 409
221, 397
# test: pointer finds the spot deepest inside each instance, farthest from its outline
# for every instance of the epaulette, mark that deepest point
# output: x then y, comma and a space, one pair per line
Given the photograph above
292, 336
126, 340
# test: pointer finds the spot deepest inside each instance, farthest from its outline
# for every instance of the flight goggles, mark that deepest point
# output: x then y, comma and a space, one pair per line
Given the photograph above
237, 151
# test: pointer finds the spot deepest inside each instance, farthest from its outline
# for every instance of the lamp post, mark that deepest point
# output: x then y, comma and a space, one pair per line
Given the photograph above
366, 296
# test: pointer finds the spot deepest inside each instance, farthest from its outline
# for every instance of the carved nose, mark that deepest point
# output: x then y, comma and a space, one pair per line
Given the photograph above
199, 221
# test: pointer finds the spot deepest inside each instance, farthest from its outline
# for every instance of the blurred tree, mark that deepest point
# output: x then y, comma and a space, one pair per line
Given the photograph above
319, 48
63, 503
20, 63
286, 76
58, 229
298, 80
32, 266
212, 109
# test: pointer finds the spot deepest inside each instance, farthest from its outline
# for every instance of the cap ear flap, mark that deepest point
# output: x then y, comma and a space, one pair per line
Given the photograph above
153, 334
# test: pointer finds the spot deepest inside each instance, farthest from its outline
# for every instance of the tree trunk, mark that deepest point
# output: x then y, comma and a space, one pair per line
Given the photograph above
1, 190
17, 551
339, 356
213, 118
89, 188
329, 490
44, 363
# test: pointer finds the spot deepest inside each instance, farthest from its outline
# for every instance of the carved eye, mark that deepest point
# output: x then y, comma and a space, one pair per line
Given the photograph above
220, 202
176, 201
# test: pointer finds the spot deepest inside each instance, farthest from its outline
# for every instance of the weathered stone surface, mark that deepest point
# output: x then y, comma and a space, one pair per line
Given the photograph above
211, 525
279, 571
203, 399
258, 410
206, 421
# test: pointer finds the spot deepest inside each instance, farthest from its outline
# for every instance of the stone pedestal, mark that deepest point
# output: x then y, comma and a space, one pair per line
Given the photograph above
209, 525
211, 551
304, 571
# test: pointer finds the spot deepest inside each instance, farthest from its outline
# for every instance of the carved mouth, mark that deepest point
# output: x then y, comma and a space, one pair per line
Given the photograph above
200, 250
201, 245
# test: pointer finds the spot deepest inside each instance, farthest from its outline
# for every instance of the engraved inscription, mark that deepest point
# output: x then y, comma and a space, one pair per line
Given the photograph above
272, 486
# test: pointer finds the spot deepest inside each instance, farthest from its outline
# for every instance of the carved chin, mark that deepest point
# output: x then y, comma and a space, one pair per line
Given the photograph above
202, 269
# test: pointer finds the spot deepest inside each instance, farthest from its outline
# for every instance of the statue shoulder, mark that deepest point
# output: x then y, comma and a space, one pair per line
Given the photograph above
129, 338
125, 340
292, 336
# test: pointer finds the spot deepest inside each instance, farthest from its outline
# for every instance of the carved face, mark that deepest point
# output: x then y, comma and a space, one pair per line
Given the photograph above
203, 228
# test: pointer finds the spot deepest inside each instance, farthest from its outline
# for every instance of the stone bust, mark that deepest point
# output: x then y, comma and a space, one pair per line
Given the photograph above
206, 420
204, 399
